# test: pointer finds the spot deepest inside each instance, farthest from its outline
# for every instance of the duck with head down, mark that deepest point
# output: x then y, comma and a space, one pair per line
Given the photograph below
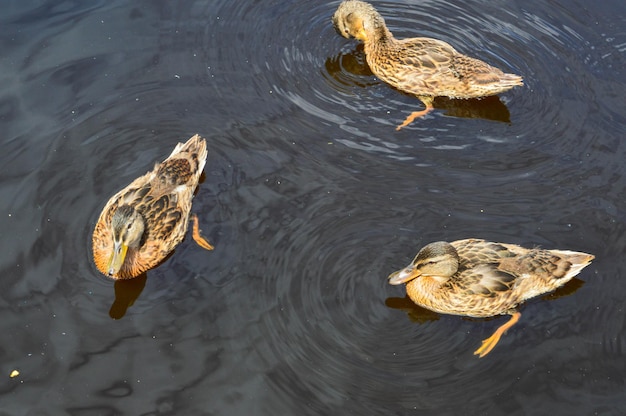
423, 67
141, 224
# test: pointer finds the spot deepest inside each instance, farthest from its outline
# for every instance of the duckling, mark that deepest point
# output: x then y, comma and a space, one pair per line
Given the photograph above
423, 67
480, 279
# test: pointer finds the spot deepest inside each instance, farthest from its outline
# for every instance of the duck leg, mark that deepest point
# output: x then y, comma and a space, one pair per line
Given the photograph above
491, 342
199, 239
428, 102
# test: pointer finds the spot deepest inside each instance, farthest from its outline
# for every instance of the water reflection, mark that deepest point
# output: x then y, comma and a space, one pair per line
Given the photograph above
126, 293
567, 289
414, 312
350, 68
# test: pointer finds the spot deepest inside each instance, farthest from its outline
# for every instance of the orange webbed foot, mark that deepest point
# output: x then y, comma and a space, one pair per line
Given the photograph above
489, 343
428, 102
199, 239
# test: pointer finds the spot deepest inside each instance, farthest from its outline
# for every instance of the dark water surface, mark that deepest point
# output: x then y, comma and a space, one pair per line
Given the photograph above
311, 198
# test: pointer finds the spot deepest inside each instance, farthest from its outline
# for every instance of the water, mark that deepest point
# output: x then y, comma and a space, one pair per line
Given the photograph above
311, 198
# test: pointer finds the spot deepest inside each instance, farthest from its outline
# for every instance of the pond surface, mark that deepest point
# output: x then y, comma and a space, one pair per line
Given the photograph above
311, 198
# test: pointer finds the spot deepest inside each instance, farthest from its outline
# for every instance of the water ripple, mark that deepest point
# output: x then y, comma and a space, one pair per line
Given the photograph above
311, 198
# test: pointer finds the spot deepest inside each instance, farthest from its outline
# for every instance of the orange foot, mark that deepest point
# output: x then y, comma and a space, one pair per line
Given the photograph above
491, 342
416, 114
202, 242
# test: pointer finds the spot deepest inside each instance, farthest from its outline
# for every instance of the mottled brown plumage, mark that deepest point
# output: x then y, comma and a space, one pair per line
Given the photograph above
141, 224
480, 279
424, 67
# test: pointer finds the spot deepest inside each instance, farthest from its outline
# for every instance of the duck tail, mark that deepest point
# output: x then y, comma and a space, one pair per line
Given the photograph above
193, 150
577, 259
511, 80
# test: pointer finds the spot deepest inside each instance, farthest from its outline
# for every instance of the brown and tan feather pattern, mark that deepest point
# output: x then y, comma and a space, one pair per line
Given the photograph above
423, 67
479, 278
162, 199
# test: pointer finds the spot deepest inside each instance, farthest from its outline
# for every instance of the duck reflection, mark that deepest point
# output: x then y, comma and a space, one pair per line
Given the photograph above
126, 293
350, 69
342, 67
414, 312
567, 289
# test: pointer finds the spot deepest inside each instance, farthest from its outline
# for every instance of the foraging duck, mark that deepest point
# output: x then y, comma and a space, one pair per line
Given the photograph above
424, 67
141, 224
479, 278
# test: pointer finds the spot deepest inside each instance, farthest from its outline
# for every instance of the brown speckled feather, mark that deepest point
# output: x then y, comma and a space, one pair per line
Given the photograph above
163, 198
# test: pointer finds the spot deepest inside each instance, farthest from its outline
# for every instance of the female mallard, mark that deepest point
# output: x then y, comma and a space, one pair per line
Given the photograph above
144, 222
478, 278
424, 67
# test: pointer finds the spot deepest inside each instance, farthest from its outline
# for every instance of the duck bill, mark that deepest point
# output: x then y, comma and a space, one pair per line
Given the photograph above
403, 276
117, 258
361, 35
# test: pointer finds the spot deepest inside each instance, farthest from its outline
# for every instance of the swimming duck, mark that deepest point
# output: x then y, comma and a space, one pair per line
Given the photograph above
424, 67
479, 278
141, 224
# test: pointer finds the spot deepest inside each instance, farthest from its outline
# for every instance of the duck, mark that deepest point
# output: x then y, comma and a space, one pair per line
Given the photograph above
481, 279
141, 224
421, 66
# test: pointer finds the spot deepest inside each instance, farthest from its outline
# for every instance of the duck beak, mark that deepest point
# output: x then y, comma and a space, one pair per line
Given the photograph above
403, 276
361, 35
117, 258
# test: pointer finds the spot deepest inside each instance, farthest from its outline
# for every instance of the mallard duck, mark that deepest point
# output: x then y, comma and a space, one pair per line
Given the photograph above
479, 278
424, 67
141, 224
